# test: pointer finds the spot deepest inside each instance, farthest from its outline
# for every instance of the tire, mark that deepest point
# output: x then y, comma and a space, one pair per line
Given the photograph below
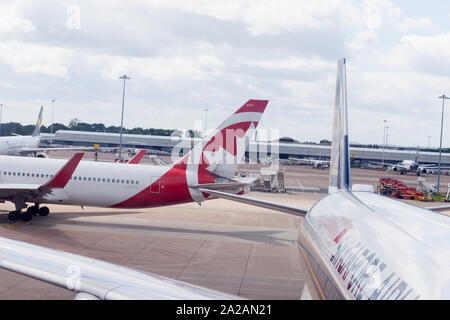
13, 216
27, 216
43, 211
33, 210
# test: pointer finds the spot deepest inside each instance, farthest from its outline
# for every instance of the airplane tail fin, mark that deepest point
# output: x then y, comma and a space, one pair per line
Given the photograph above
37, 128
218, 155
340, 154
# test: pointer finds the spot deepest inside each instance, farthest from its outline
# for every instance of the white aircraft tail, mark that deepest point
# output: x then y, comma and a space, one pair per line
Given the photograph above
340, 154
218, 155
37, 127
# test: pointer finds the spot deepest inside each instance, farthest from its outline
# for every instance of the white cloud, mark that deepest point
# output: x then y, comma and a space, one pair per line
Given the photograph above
11, 20
410, 24
161, 68
36, 59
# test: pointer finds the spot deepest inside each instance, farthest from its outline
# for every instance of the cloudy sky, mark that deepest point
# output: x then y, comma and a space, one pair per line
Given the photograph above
184, 56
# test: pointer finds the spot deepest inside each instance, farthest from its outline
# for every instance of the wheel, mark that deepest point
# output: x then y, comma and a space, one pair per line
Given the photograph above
26, 216
33, 210
44, 211
14, 216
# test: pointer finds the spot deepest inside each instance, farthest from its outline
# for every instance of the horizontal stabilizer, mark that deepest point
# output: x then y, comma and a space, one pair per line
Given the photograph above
298, 211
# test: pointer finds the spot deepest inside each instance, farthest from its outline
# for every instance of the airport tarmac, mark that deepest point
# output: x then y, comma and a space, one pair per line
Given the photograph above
235, 248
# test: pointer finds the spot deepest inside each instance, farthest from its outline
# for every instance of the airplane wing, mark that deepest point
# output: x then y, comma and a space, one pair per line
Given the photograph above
34, 191
295, 210
94, 279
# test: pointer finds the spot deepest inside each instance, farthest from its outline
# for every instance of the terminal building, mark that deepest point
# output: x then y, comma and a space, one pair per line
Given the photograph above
166, 144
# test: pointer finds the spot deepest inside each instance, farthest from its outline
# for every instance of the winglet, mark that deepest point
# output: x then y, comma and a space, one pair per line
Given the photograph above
37, 127
63, 176
340, 154
137, 157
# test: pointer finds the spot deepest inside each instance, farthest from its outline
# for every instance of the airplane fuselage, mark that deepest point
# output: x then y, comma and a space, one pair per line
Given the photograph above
356, 246
14, 145
100, 184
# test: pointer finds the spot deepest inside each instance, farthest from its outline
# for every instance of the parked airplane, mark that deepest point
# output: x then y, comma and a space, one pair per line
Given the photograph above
356, 244
22, 145
211, 163
410, 166
316, 164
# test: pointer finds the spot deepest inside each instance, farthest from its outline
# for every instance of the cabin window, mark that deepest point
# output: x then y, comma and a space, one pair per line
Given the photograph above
107, 180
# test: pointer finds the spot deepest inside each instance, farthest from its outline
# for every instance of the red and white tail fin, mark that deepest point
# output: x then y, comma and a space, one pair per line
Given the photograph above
218, 155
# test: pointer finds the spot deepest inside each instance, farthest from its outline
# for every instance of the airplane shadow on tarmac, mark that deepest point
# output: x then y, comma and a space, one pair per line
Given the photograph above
58, 226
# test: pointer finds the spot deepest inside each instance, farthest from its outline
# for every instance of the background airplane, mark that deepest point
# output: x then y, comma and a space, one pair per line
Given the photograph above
316, 164
211, 163
23, 145
410, 166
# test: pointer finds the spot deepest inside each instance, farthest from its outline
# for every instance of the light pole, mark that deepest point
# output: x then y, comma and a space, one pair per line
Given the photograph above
384, 141
206, 121
124, 77
387, 136
443, 97
53, 110
429, 142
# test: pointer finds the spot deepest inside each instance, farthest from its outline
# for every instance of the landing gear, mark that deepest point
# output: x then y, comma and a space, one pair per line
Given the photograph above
29, 213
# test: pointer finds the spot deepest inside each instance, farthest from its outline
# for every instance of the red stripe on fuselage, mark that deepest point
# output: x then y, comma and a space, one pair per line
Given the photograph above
172, 187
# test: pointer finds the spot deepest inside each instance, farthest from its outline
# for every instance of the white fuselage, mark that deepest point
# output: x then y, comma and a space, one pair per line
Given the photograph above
98, 183
366, 246
15, 145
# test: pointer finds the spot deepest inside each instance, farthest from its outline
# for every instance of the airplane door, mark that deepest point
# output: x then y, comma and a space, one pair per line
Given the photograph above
156, 186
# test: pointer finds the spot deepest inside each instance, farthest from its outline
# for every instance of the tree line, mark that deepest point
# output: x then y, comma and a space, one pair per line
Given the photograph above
10, 128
